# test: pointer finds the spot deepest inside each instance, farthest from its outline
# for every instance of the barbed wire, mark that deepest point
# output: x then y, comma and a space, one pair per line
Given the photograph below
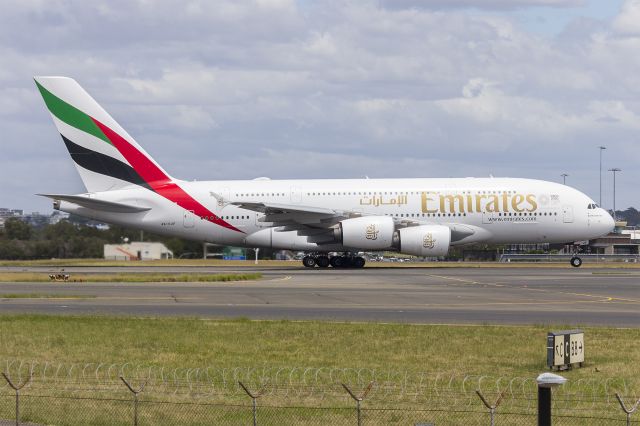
317, 383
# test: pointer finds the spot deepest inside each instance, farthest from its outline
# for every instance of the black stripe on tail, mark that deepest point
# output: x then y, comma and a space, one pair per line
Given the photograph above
103, 164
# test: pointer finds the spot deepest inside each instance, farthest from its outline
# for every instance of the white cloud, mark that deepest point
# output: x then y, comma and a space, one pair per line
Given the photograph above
480, 4
628, 21
327, 89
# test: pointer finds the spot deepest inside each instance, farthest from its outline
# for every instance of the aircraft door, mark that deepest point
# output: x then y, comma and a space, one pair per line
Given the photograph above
188, 219
296, 195
567, 214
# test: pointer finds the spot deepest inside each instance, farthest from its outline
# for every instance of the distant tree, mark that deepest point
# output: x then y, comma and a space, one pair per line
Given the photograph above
60, 231
12, 250
630, 215
15, 229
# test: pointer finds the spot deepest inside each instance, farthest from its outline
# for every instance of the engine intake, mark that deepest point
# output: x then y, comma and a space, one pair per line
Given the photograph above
425, 240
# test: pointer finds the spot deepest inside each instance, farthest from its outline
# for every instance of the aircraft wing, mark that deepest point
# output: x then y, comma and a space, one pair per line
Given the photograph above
96, 204
316, 222
293, 216
277, 208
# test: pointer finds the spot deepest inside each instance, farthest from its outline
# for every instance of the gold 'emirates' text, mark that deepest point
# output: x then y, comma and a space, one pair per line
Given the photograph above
478, 203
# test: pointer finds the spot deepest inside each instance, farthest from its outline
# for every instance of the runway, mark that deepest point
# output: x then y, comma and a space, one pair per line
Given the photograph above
431, 295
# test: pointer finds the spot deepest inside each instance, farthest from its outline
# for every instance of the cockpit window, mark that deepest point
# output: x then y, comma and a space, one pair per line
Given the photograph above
592, 206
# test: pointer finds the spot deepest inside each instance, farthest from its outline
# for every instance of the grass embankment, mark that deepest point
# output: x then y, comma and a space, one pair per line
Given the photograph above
174, 342
129, 277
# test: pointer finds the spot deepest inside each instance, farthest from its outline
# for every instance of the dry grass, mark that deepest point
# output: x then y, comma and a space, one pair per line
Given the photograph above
128, 277
43, 296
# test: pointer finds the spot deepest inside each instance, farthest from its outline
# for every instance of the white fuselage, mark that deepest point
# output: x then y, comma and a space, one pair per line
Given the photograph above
498, 210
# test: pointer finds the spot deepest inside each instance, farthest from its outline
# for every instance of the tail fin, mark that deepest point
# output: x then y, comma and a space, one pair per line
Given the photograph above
106, 157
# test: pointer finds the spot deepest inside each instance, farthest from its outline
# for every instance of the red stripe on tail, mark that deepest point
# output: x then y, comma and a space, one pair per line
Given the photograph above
158, 180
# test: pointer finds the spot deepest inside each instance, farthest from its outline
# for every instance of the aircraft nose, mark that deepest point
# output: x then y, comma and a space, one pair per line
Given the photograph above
608, 224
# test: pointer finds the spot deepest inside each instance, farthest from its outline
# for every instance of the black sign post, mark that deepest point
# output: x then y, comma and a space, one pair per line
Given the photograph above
546, 382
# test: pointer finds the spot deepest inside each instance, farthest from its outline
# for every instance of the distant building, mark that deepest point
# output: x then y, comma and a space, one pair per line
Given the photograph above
137, 251
57, 216
34, 219
6, 213
623, 240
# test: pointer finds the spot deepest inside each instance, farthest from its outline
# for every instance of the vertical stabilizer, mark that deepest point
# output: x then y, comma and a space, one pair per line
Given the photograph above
106, 156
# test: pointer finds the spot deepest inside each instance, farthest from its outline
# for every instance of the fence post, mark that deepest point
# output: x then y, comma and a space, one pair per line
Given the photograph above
358, 399
17, 389
491, 407
135, 393
254, 397
628, 411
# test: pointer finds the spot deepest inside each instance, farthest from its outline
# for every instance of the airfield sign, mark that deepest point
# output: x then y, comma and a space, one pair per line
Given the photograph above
565, 349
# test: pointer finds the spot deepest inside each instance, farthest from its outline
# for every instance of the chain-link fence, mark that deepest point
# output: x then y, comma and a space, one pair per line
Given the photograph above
114, 394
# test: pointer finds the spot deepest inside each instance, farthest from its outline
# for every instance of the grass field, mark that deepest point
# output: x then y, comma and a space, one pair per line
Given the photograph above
175, 342
43, 296
181, 345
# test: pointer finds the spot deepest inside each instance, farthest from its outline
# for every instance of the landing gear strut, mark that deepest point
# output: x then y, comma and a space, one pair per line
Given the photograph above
346, 260
576, 261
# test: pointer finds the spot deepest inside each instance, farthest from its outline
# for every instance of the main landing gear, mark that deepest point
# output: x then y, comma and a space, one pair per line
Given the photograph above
341, 261
576, 262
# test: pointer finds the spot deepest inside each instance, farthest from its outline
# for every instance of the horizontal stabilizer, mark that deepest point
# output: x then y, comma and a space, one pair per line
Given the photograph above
96, 204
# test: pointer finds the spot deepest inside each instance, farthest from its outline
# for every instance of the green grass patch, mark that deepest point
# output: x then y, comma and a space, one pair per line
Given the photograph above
186, 346
130, 277
178, 342
43, 296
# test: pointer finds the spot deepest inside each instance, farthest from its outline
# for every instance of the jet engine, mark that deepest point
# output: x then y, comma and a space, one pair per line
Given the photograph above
367, 232
425, 240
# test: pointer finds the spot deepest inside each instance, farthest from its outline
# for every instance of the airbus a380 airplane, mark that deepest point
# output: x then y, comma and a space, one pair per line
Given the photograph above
421, 217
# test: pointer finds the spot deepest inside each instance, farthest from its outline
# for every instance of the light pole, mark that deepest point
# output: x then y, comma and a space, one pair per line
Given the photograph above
564, 178
614, 170
602, 148
546, 381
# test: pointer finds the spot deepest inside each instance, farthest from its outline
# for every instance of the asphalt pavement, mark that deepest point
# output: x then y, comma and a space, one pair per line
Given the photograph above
431, 295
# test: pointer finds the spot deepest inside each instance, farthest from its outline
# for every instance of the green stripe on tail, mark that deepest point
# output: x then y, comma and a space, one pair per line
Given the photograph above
70, 114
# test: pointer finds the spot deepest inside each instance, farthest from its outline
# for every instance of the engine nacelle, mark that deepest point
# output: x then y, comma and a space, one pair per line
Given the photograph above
425, 240
367, 232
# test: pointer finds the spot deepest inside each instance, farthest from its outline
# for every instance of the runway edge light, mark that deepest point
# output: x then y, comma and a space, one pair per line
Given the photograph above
565, 349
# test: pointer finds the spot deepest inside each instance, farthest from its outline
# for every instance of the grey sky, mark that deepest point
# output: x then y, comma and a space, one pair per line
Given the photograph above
314, 89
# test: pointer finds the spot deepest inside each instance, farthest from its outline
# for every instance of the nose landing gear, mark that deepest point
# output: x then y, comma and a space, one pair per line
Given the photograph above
576, 262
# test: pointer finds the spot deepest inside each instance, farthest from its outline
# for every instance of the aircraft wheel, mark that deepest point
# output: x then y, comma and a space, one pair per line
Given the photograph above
308, 261
576, 262
322, 261
336, 261
358, 262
